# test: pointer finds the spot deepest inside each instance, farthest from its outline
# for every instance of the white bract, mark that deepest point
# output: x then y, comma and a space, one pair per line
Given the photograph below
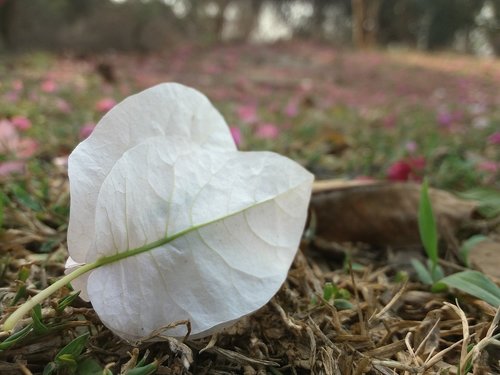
207, 233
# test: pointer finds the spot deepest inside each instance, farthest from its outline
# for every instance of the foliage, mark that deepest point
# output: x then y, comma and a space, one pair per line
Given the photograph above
471, 282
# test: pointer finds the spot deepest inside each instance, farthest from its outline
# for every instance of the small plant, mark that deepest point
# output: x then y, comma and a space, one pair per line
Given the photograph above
431, 272
338, 296
471, 282
68, 357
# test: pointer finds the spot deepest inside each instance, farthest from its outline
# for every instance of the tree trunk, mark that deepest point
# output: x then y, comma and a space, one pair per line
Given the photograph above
7, 14
365, 22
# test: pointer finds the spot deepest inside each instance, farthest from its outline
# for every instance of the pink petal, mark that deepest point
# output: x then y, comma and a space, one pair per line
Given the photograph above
9, 137
26, 148
105, 104
399, 171
494, 138
247, 113
21, 122
9, 167
489, 166
292, 108
267, 131
86, 130
48, 86
63, 106
236, 133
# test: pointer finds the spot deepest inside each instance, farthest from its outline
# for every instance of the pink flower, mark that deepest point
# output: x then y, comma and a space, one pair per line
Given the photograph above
494, 138
12, 143
11, 96
48, 86
10, 167
26, 148
17, 85
21, 122
292, 108
236, 133
86, 130
63, 106
445, 119
407, 169
488, 166
389, 121
8, 136
399, 171
411, 146
105, 104
267, 131
247, 113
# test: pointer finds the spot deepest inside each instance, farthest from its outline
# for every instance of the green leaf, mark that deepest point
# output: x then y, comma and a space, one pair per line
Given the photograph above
66, 301
73, 350
16, 337
436, 271
489, 200
50, 369
24, 198
427, 225
342, 304
422, 272
144, 370
89, 366
23, 273
468, 245
476, 284
329, 290
38, 326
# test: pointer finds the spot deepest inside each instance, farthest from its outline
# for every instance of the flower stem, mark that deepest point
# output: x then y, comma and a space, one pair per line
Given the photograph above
26, 307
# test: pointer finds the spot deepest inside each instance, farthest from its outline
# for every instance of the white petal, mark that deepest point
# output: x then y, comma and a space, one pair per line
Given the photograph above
249, 210
165, 110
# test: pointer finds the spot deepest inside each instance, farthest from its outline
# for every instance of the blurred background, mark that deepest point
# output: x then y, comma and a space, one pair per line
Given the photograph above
469, 26
384, 89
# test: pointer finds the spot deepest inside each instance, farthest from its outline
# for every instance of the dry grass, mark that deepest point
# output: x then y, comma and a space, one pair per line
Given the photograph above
392, 328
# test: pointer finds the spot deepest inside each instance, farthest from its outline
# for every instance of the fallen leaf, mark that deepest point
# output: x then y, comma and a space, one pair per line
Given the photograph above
485, 257
380, 213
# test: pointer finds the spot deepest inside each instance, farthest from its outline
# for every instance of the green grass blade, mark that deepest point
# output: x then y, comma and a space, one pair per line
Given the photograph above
427, 225
476, 284
422, 272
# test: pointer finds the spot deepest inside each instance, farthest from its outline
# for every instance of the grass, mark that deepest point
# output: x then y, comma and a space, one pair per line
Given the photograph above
390, 116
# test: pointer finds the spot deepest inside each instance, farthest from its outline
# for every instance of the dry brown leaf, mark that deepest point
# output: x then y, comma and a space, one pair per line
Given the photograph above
381, 213
485, 257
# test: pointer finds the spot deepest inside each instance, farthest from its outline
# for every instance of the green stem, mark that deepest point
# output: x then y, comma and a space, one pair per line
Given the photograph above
26, 307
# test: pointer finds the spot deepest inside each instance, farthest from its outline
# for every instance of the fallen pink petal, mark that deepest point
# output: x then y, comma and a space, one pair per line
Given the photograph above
20, 122
86, 130
410, 169
494, 138
236, 134
267, 131
48, 86
488, 166
399, 171
26, 148
105, 104
292, 109
247, 113
10, 167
